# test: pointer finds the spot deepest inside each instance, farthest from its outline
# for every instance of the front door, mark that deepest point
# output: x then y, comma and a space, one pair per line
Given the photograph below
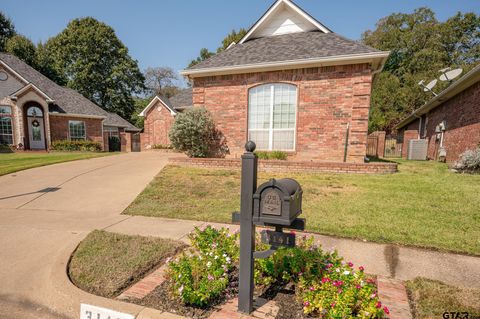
36, 133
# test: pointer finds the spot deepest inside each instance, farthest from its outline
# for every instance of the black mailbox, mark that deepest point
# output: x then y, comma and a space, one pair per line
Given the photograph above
277, 202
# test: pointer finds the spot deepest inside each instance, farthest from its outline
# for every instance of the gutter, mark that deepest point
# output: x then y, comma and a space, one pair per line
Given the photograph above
289, 64
77, 115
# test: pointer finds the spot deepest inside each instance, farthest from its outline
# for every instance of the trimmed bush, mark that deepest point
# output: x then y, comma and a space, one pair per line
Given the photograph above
162, 147
194, 133
273, 155
114, 144
78, 146
469, 162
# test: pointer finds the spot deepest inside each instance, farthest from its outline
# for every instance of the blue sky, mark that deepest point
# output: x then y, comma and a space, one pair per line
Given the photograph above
171, 32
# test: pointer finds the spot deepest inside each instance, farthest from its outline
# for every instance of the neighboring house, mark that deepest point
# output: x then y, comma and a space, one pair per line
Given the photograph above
35, 111
159, 116
289, 84
450, 121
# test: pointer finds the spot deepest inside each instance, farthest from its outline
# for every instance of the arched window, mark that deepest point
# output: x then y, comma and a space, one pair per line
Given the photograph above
34, 111
272, 116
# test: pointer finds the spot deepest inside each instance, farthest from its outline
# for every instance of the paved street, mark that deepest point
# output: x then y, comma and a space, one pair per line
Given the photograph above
45, 212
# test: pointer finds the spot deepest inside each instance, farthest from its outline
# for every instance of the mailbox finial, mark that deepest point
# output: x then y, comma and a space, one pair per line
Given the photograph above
250, 146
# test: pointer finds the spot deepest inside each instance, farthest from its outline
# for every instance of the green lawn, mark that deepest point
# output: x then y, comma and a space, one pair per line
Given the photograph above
432, 298
423, 205
106, 263
14, 162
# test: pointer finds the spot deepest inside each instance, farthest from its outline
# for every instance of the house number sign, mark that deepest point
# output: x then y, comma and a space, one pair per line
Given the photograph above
94, 312
271, 203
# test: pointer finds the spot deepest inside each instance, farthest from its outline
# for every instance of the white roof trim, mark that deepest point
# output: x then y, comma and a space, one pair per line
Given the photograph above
292, 64
6, 66
29, 86
152, 102
293, 6
77, 115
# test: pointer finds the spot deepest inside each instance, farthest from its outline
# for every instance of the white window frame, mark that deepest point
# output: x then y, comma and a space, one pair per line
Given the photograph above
84, 130
270, 130
9, 116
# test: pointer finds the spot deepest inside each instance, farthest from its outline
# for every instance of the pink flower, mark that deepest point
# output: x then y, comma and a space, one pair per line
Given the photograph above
361, 268
373, 295
385, 309
378, 305
329, 266
210, 277
350, 264
306, 304
312, 288
300, 273
340, 290
325, 279
358, 286
333, 304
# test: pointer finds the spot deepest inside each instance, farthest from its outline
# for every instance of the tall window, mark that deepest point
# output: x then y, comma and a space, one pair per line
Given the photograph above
272, 116
6, 127
77, 130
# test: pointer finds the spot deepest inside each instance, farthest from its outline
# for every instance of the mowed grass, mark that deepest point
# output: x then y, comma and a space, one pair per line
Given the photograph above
106, 263
424, 204
14, 162
432, 298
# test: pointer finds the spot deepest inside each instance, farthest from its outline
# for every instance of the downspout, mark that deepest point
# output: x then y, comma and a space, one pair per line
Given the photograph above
346, 143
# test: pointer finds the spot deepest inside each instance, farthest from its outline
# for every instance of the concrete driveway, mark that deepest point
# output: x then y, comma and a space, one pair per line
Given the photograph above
45, 212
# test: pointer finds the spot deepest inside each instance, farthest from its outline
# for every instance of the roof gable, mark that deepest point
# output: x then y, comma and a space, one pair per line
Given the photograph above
283, 17
163, 100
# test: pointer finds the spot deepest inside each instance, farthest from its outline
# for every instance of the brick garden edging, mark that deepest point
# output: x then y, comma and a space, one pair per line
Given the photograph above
291, 166
146, 285
393, 294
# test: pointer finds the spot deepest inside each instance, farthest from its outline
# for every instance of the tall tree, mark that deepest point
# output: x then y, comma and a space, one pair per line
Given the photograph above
7, 30
233, 36
92, 59
420, 46
23, 48
161, 81
45, 65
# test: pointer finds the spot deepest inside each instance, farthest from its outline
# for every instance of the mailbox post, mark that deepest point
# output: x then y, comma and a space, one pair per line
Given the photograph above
276, 203
247, 228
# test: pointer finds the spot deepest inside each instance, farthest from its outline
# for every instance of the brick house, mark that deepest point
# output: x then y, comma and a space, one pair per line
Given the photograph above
159, 115
289, 84
35, 111
450, 121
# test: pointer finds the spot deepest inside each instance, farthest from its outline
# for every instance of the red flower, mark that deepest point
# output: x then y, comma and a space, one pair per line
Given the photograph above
350, 264
329, 266
358, 287
312, 289
378, 305
333, 304
306, 303
325, 279
361, 268
340, 290
385, 309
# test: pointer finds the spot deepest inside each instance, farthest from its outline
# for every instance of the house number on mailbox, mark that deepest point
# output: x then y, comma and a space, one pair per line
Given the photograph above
271, 203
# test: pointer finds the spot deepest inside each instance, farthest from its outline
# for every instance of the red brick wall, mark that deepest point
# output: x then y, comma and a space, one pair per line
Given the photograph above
328, 99
59, 128
289, 166
462, 116
158, 121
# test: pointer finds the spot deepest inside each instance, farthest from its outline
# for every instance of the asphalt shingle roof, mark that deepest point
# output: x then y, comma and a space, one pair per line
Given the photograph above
66, 99
114, 119
287, 47
182, 99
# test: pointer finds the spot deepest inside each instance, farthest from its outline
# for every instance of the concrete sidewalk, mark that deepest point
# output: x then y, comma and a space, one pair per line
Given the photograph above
393, 261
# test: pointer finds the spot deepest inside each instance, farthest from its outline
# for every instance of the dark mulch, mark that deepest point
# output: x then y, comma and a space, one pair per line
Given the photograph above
284, 296
161, 299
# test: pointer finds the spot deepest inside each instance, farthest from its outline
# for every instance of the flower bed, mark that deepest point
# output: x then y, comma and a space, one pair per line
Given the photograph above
305, 281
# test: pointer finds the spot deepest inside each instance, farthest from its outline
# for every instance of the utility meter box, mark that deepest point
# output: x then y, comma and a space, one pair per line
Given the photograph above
277, 202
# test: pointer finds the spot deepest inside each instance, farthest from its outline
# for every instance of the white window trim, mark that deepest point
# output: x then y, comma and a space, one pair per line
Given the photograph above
84, 126
270, 130
12, 122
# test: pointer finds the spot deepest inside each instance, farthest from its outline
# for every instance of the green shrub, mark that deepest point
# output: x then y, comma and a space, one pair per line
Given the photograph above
194, 133
5, 148
273, 155
469, 162
82, 146
114, 144
201, 274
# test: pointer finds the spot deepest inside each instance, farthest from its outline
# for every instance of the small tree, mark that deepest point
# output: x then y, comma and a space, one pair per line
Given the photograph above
194, 133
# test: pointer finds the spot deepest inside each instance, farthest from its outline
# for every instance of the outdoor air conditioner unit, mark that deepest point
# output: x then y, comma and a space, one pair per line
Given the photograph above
417, 150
